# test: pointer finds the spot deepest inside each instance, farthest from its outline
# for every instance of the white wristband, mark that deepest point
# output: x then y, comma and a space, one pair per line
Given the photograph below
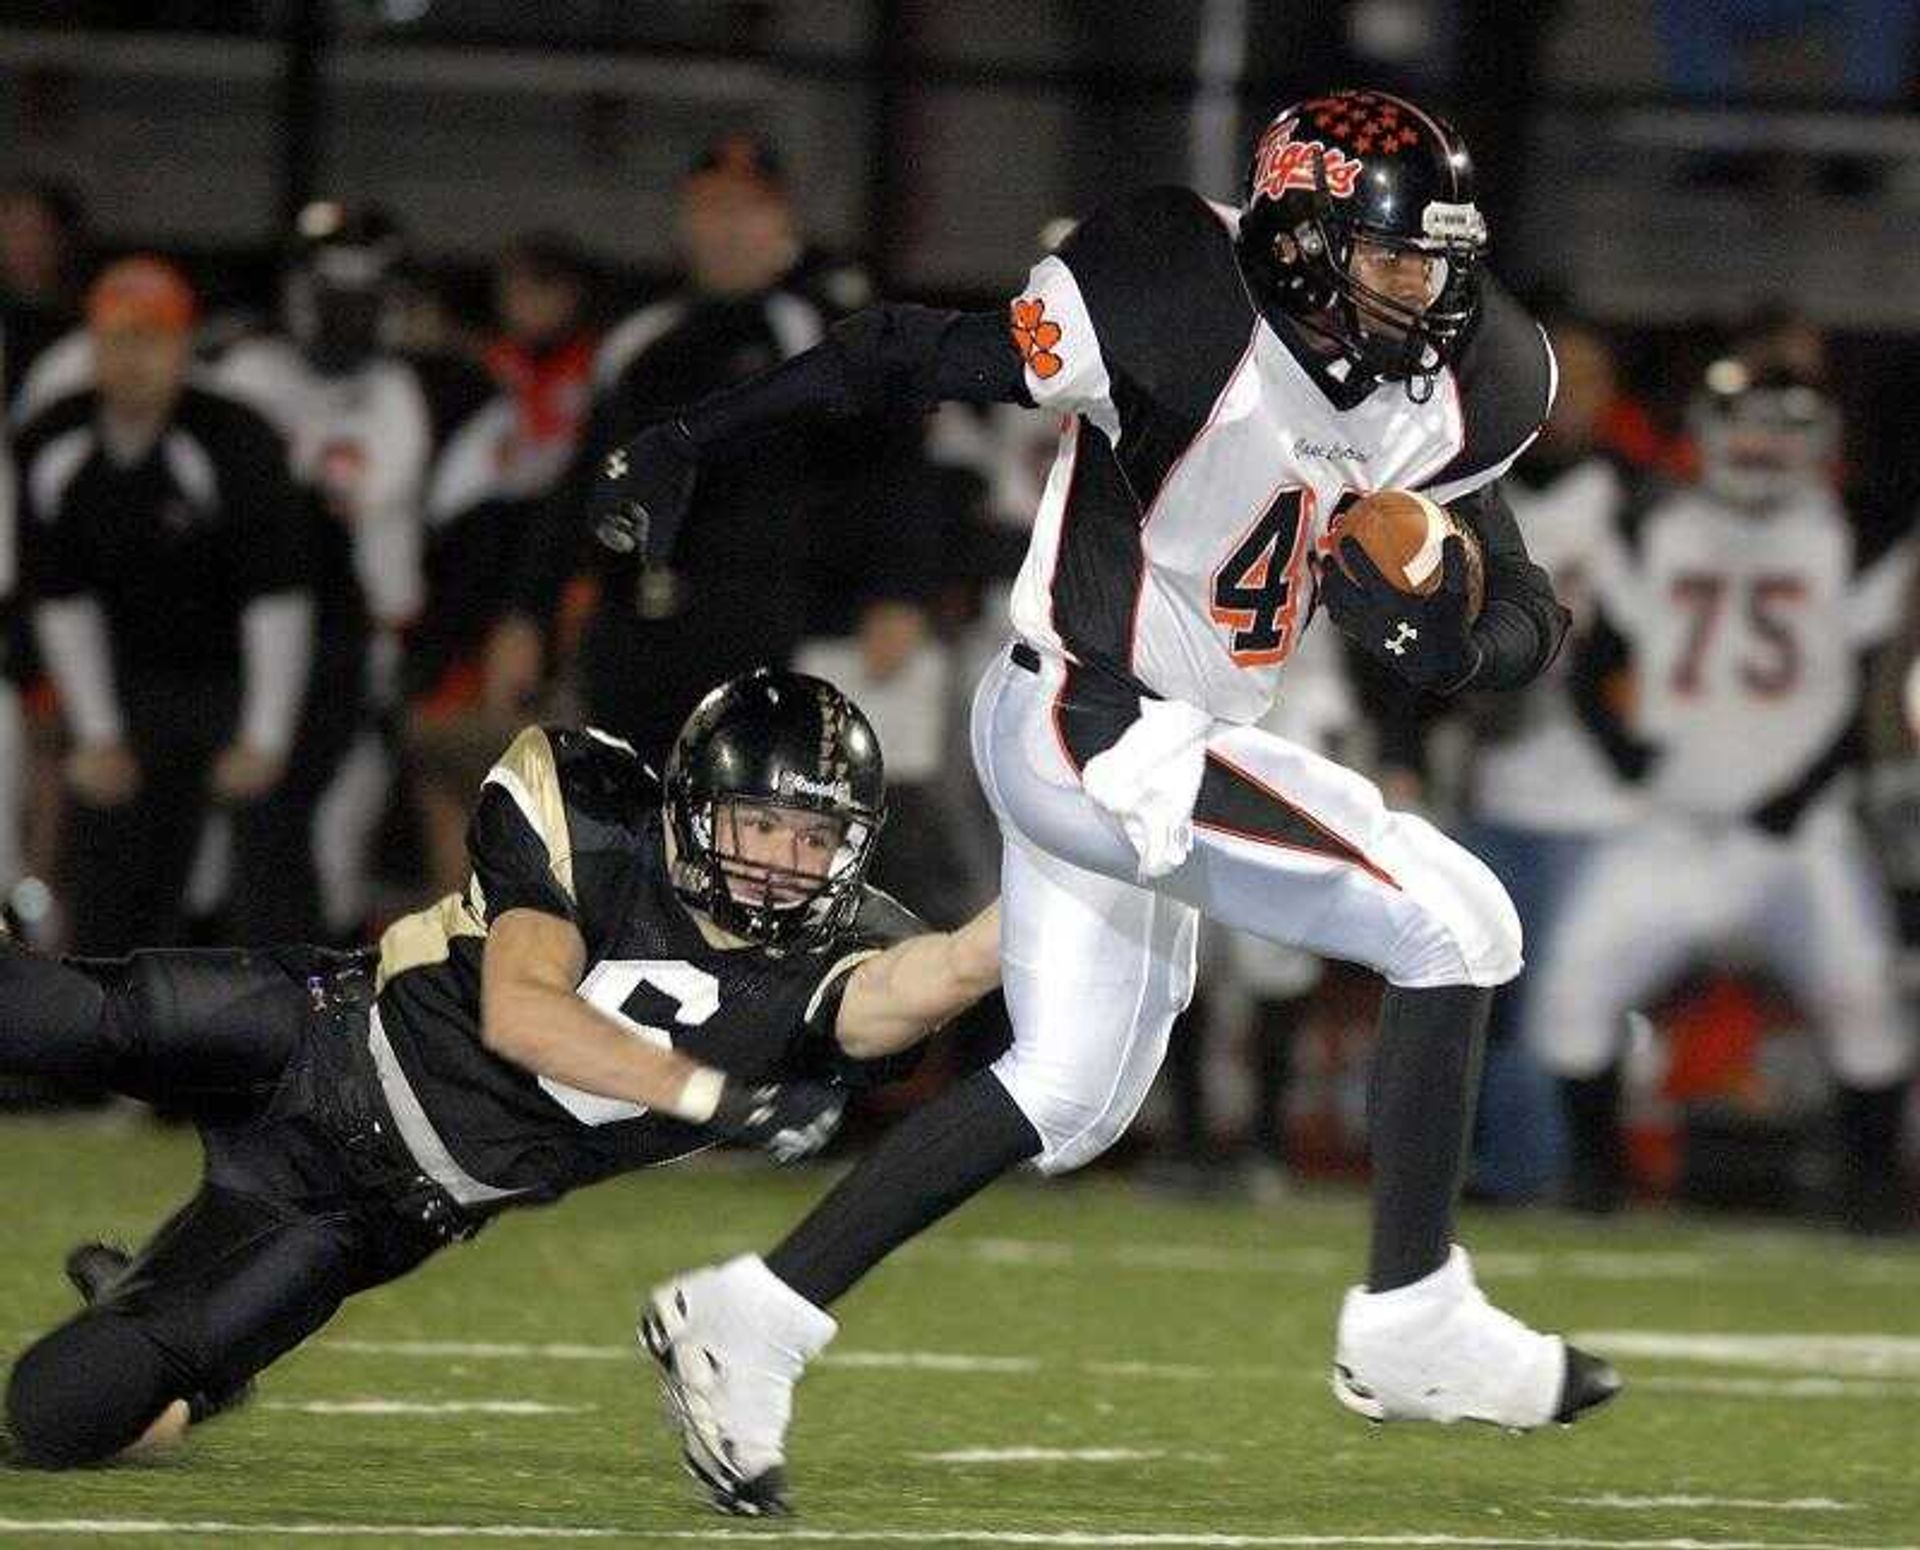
700, 1097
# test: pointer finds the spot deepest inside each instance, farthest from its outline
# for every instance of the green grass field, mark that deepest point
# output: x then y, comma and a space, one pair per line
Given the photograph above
1070, 1363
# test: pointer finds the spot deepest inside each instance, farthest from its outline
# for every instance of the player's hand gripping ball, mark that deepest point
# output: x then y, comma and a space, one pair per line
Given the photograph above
1405, 583
1403, 533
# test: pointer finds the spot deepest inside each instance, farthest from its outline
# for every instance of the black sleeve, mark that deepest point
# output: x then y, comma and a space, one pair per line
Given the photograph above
552, 547
518, 841
1597, 676
891, 358
1506, 381
882, 921
1781, 813
258, 491
1522, 625
51, 554
820, 1055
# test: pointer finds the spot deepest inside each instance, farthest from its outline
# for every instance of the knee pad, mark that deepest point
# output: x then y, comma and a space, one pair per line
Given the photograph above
87, 1391
1470, 931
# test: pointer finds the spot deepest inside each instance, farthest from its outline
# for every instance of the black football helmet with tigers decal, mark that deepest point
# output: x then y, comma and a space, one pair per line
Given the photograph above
1358, 167
774, 740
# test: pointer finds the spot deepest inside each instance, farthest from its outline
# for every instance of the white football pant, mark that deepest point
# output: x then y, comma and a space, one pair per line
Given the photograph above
1657, 898
1288, 846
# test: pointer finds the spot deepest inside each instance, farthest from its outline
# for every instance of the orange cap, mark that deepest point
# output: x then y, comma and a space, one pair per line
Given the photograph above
141, 292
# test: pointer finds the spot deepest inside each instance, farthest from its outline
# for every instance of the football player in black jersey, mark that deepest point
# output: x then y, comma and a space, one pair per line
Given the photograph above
1228, 382
636, 970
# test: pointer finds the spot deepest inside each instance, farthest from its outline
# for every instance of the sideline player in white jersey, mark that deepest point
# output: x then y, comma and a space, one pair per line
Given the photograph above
360, 439
1744, 606
1231, 379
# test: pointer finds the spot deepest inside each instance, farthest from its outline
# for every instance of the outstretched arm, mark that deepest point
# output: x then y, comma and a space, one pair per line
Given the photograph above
529, 1015
889, 358
896, 998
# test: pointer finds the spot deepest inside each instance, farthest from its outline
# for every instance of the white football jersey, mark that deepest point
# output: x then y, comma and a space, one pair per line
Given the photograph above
1746, 632
1550, 773
1178, 535
363, 441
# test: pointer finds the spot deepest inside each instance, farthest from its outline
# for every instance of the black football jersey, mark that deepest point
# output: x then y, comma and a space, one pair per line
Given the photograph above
569, 823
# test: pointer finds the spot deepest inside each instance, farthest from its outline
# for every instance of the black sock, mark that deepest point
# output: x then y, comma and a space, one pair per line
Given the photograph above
1872, 1191
1596, 1152
1419, 1115
933, 1160
1275, 1025
1186, 1076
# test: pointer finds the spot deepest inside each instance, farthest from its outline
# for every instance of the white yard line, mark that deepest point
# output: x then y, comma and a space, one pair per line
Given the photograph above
929, 1361
1166, 1372
1748, 1503
485, 1350
212, 1528
1576, 1265
1868, 1356
1777, 1388
1870, 1353
1039, 1456
419, 1407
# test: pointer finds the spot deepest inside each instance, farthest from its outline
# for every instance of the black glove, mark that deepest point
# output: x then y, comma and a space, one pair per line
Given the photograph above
787, 1121
1425, 641
642, 490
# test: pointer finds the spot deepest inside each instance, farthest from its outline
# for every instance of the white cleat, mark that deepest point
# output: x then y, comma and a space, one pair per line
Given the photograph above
731, 1341
1437, 1350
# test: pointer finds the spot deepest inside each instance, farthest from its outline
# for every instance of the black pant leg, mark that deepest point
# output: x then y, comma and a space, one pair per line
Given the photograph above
180, 1027
226, 1287
127, 866
276, 888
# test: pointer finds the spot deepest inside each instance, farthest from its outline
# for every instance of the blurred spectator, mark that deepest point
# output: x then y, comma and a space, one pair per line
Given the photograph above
739, 591
1742, 608
488, 486
359, 435
1541, 792
42, 254
13, 748
543, 356
164, 562
1874, 39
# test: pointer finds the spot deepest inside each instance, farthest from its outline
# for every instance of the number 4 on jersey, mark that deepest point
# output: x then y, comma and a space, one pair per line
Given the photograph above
1252, 592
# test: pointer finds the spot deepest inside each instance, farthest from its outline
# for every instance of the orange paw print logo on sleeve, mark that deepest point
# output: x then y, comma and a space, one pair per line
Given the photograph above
1035, 335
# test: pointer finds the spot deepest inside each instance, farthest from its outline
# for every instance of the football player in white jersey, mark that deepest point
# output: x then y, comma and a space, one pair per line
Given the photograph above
360, 439
1744, 605
1230, 380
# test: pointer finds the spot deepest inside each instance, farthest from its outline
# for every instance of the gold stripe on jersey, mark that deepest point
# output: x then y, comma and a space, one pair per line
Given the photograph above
425, 937
529, 773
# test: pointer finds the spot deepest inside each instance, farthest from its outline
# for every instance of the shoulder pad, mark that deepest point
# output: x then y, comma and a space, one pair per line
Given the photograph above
1160, 280
1506, 379
601, 778
883, 920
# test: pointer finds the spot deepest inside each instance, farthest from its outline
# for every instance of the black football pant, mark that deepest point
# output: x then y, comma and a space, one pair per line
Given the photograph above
126, 868
278, 1233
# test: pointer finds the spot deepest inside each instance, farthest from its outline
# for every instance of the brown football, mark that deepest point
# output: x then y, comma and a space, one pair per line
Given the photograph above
1402, 531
